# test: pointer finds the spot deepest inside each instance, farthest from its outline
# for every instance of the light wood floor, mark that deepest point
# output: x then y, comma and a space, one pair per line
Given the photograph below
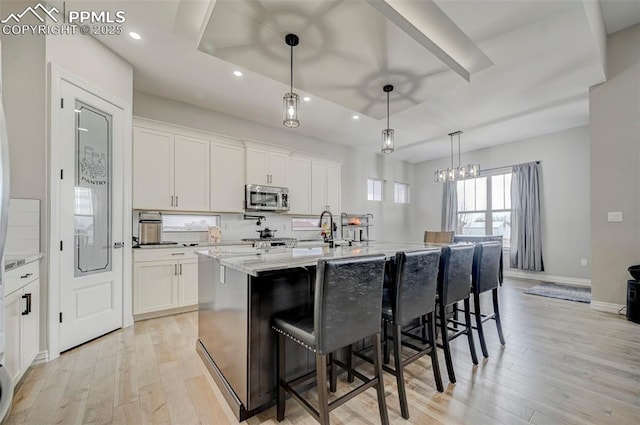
563, 364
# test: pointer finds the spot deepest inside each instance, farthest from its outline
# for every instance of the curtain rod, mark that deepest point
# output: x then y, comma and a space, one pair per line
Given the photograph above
505, 168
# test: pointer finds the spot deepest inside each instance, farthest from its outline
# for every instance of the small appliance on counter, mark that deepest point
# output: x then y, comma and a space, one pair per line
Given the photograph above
150, 229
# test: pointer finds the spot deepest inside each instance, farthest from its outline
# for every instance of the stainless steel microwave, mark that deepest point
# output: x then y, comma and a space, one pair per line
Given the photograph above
266, 198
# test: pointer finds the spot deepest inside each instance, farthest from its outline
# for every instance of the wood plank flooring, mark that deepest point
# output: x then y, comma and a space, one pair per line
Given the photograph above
564, 364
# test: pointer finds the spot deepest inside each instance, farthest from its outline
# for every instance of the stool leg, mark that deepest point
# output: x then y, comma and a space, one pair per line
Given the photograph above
385, 331
445, 343
423, 323
323, 396
435, 365
281, 377
350, 375
333, 381
467, 323
455, 316
377, 364
478, 315
399, 369
496, 311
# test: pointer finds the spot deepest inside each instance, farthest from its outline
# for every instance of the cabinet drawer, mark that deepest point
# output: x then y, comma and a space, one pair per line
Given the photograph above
17, 278
141, 255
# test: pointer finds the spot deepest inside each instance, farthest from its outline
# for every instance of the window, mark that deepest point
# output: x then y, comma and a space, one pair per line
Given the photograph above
401, 193
484, 206
374, 190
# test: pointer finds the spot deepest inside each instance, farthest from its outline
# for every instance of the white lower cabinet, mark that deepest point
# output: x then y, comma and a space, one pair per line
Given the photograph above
21, 324
162, 282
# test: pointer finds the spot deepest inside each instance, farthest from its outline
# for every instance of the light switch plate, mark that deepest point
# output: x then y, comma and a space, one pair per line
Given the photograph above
221, 274
614, 216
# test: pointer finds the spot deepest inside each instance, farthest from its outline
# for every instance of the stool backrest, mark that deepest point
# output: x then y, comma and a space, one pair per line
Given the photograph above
348, 300
415, 283
486, 266
438, 237
454, 275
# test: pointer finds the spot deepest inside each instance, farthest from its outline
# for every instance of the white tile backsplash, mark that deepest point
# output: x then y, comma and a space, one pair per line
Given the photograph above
23, 231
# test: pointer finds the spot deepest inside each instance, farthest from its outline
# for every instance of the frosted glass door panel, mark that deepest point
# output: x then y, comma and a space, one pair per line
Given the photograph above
92, 191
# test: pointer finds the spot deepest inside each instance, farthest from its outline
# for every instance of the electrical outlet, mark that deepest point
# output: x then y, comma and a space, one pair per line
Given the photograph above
614, 216
584, 262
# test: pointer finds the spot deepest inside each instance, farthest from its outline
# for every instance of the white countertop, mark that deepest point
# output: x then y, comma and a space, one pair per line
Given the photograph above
255, 260
13, 261
198, 244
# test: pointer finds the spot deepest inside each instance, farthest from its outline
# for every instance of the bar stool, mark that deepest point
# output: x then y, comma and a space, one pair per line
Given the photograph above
347, 309
412, 297
486, 277
454, 285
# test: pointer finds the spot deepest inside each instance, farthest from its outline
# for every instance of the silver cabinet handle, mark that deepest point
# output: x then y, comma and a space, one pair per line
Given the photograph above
178, 253
24, 276
175, 270
171, 200
181, 269
176, 200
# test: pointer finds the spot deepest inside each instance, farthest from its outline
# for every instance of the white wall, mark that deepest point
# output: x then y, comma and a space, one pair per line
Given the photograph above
390, 221
564, 193
614, 109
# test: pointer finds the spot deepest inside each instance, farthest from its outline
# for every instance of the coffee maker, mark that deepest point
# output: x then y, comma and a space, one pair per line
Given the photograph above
150, 228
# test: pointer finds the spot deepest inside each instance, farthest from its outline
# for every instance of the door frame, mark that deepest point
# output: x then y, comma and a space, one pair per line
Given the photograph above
57, 74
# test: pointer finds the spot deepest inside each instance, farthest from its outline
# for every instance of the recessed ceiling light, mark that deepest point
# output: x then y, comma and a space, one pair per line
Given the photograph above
306, 98
237, 73
356, 117
135, 35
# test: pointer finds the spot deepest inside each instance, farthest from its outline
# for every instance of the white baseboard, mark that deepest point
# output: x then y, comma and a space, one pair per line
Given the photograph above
606, 307
522, 274
41, 357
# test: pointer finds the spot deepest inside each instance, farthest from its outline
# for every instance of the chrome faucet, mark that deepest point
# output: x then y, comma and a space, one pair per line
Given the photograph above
330, 238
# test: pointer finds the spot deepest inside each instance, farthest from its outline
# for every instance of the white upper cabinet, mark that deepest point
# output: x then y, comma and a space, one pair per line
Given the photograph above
266, 167
325, 187
299, 174
170, 172
191, 175
152, 169
227, 178
334, 187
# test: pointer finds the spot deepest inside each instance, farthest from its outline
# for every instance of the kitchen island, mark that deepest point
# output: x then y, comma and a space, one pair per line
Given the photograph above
239, 290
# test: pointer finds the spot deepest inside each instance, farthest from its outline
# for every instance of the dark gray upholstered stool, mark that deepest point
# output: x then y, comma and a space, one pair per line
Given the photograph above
413, 296
347, 309
486, 277
454, 285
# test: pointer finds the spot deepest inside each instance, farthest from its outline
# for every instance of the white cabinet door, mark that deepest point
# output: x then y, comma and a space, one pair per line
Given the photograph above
152, 169
334, 188
257, 164
12, 316
155, 286
278, 169
191, 160
227, 178
299, 175
318, 187
30, 322
188, 282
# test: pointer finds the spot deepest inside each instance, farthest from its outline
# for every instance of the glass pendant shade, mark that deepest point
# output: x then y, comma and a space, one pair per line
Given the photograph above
290, 103
460, 172
387, 140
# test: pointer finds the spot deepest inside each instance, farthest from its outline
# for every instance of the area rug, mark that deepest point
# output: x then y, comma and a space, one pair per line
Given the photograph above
564, 292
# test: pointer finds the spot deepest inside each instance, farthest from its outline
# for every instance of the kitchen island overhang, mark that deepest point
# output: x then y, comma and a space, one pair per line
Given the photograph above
239, 290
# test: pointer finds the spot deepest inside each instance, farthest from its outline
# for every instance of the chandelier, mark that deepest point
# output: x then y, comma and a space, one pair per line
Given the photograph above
460, 172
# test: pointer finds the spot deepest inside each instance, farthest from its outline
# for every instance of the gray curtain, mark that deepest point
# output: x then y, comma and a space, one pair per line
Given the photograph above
449, 206
526, 243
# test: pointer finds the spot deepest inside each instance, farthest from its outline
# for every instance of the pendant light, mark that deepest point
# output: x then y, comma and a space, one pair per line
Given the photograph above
453, 174
291, 101
387, 133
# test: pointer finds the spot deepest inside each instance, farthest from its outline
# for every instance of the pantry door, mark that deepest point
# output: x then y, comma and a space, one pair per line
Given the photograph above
91, 195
